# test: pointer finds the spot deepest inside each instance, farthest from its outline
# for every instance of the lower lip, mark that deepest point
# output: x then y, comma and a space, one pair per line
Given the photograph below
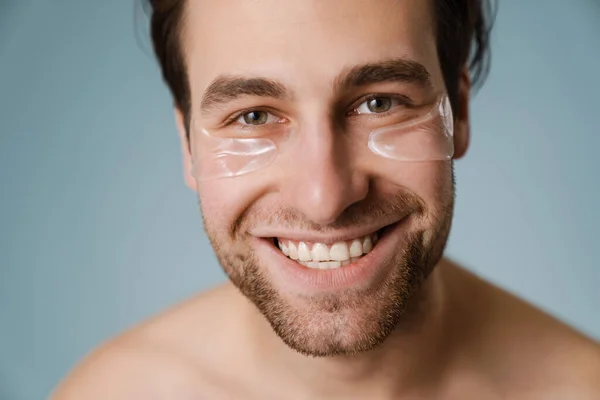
362, 273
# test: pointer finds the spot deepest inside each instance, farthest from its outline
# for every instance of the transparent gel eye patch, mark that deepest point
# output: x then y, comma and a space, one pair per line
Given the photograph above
426, 136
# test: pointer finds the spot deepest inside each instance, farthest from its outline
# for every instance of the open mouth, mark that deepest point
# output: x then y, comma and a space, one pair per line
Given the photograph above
329, 256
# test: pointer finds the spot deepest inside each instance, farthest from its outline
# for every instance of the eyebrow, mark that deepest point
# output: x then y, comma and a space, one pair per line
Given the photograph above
226, 88
394, 70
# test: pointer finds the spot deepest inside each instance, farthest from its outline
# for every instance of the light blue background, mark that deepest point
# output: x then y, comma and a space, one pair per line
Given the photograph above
97, 230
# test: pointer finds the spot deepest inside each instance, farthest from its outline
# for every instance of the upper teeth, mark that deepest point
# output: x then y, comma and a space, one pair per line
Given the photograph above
319, 252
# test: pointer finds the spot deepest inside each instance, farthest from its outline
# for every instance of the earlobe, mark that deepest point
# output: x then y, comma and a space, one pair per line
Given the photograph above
185, 150
462, 126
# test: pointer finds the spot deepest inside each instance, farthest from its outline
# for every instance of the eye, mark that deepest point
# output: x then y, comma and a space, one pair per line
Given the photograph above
257, 118
377, 105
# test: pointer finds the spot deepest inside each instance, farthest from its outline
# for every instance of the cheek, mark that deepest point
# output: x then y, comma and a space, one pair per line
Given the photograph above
224, 201
431, 181
436, 183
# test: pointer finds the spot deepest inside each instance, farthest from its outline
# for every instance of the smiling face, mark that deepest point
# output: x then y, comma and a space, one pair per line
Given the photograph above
328, 239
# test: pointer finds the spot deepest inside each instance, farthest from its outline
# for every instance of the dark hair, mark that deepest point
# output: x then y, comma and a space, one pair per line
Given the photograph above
463, 30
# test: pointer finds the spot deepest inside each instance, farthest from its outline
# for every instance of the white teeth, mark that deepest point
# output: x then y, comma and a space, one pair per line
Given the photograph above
339, 252
323, 256
303, 252
284, 248
320, 252
367, 245
293, 251
356, 248
328, 264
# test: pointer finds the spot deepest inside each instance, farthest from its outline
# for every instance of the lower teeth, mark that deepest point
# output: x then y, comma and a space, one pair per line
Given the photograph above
327, 264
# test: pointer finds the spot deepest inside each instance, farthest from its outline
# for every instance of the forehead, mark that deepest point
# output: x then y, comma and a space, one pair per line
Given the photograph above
303, 43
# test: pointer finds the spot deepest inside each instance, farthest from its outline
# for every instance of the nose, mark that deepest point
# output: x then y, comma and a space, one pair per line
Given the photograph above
321, 180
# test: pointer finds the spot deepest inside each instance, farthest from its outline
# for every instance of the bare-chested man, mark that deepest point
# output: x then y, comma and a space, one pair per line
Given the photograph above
320, 137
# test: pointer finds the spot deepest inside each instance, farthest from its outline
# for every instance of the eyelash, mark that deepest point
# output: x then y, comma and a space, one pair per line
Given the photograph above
403, 101
233, 118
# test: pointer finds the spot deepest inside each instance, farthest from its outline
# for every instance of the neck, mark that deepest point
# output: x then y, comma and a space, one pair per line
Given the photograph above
411, 358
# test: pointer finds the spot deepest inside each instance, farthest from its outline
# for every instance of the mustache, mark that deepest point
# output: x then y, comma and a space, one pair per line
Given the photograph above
383, 211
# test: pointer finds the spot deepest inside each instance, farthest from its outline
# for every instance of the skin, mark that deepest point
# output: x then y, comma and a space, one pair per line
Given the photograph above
449, 334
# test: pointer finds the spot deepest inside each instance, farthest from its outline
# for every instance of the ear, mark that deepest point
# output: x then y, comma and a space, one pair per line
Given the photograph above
190, 181
462, 127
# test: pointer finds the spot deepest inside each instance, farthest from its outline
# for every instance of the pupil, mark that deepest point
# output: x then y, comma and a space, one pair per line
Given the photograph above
255, 118
379, 104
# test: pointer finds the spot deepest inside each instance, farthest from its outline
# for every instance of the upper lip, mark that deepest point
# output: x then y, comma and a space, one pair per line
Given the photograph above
319, 237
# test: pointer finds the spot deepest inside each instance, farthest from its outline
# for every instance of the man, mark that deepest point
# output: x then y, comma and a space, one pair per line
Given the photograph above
320, 138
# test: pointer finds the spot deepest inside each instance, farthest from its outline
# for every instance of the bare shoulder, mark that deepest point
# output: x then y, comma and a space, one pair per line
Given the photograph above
526, 348
127, 369
161, 358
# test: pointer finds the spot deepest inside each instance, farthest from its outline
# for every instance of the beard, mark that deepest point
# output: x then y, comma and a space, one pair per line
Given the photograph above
353, 320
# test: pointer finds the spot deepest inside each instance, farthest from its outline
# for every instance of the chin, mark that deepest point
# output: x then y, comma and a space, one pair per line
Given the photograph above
347, 321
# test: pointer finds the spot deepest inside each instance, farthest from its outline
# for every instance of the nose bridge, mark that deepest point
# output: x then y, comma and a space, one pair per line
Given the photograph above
321, 181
